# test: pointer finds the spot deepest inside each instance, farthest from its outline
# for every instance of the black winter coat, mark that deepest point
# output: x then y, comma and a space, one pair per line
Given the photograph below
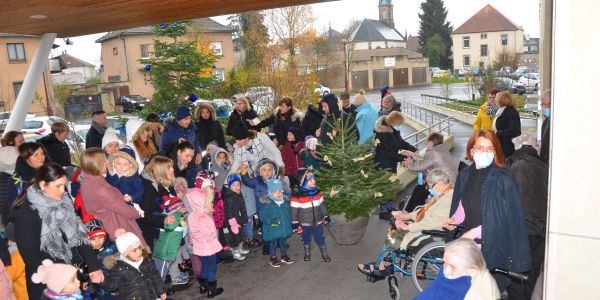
508, 127
93, 138
28, 228
282, 124
57, 151
133, 284
531, 176
11, 186
390, 142
545, 145
312, 120
504, 231
234, 206
236, 117
208, 131
153, 219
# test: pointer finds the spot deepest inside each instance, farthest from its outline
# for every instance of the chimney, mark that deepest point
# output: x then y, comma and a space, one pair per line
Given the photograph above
386, 12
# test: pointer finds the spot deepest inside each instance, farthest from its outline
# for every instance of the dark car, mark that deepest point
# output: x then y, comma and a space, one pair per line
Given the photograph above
507, 84
132, 102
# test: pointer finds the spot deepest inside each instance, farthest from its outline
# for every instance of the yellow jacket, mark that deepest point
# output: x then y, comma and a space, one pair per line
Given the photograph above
16, 271
483, 121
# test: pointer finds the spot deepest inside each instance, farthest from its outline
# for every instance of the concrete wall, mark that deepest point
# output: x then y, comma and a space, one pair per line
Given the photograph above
494, 43
11, 72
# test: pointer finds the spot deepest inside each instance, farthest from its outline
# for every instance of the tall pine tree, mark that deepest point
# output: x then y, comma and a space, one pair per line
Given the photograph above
433, 21
252, 36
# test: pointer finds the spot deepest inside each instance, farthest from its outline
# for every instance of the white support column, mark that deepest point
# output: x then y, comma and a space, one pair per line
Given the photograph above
31, 82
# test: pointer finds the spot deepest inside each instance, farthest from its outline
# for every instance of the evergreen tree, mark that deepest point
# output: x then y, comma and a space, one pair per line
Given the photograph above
433, 21
435, 50
348, 179
252, 36
179, 70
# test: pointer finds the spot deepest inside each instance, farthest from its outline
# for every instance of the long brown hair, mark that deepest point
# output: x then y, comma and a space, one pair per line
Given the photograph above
157, 170
47, 173
9, 138
491, 136
145, 149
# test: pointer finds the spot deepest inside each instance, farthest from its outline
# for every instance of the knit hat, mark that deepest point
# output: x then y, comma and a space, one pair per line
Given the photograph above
384, 89
126, 241
311, 143
205, 179
132, 127
240, 131
110, 135
232, 179
54, 276
170, 203
274, 185
183, 112
95, 228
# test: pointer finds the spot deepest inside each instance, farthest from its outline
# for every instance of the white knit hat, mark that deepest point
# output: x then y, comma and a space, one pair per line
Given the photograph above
126, 241
132, 126
110, 135
311, 143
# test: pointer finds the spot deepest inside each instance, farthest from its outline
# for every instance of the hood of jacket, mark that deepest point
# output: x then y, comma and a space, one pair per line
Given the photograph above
213, 156
332, 102
295, 114
111, 164
381, 126
263, 162
314, 112
201, 200
213, 116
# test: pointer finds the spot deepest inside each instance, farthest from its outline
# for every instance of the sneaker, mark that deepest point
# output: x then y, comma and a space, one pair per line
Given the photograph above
286, 259
183, 278
274, 262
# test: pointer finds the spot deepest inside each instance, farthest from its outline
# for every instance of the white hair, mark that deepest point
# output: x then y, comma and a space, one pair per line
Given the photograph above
525, 139
466, 251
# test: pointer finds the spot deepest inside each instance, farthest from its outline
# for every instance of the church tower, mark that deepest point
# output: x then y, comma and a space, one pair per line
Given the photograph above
386, 12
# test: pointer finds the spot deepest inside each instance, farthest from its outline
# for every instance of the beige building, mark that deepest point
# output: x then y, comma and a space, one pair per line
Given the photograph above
121, 51
16, 52
478, 42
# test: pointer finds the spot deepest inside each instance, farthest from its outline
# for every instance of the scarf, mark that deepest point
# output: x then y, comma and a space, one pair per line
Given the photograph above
58, 220
309, 191
447, 289
48, 294
491, 110
135, 264
499, 112
98, 128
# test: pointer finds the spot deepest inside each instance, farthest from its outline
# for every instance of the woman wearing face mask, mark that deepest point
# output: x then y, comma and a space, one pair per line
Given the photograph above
486, 202
464, 275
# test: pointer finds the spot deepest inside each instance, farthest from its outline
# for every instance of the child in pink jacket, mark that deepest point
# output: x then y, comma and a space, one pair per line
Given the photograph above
203, 238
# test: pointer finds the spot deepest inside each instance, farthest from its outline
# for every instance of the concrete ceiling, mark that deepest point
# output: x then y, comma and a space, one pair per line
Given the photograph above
79, 17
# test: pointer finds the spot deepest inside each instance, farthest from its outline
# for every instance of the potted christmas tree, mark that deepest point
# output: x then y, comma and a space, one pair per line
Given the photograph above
351, 184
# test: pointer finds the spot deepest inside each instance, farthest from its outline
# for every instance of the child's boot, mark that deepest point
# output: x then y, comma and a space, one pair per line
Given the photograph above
324, 255
242, 250
203, 286
306, 252
213, 290
237, 255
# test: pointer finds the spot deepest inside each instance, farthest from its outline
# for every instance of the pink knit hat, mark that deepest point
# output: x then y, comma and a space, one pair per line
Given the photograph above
54, 276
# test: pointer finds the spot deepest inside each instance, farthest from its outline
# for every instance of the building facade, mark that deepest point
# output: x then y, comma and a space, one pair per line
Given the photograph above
122, 72
68, 64
479, 41
16, 52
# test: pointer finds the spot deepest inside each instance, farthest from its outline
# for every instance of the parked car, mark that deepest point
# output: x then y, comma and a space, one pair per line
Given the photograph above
132, 102
438, 73
530, 80
4, 119
505, 83
261, 97
522, 70
321, 89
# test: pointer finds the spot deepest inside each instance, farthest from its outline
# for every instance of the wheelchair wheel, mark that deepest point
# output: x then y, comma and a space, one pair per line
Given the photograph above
426, 264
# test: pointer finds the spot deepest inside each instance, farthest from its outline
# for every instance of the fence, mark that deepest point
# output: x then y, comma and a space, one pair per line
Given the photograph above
435, 122
460, 105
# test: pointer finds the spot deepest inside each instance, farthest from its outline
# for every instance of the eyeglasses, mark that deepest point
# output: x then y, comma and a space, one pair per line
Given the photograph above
489, 149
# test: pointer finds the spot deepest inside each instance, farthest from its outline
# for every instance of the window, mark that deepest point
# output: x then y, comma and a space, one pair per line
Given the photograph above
466, 60
115, 51
16, 52
217, 48
219, 74
17, 86
145, 49
484, 50
504, 39
466, 42
484, 36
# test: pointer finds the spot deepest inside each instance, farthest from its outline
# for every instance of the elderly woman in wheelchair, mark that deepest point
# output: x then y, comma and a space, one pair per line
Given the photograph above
405, 235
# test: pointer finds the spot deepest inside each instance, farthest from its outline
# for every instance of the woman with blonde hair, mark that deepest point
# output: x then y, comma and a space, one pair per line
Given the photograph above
507, 123
244, 113
158, 178
139, 142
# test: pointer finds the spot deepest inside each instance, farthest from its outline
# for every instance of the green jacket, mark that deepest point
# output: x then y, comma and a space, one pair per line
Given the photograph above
169, 239
276, 220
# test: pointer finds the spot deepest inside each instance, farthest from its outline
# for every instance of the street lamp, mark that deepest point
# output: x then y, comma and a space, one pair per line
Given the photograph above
345, 67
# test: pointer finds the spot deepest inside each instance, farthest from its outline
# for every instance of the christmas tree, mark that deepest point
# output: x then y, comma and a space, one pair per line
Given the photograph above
348, 179
180, 71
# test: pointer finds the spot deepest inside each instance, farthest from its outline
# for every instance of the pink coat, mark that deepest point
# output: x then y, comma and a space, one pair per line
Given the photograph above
106, 204
202, 231
290, 153
218, 210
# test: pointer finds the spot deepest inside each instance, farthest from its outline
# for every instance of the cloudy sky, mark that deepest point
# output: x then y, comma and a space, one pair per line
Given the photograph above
338, 14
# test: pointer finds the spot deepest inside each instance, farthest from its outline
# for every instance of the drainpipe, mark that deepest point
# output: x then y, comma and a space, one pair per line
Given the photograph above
30, 83
125, 50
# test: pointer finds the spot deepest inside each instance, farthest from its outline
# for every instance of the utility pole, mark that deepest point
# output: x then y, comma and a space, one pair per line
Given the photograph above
345, 67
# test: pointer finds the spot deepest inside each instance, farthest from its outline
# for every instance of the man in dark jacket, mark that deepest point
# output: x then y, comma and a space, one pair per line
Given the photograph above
177, 132
348, 107
333, 116
96, 132
56, 148
531, 176
312, 120
546, 106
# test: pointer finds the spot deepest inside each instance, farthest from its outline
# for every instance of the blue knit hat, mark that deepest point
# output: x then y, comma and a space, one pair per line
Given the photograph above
232, 179
274, 185
183, 112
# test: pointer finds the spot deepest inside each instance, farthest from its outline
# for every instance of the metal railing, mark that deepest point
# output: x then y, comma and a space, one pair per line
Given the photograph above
435, 122
419, 113
459, 105
421, 135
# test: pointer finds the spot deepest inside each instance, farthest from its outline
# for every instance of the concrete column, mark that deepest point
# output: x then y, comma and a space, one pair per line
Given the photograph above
31, 82
573, 241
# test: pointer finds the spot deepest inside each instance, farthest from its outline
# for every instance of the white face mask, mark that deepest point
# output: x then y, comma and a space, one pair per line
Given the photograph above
448, 276
483, 159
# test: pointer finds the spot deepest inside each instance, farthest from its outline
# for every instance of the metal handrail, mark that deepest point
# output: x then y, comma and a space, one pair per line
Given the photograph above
437, 100
429, 129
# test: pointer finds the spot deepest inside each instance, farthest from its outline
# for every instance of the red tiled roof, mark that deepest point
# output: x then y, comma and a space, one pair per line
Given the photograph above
488, 19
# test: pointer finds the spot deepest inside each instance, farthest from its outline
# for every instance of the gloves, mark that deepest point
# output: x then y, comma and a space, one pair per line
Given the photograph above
326, 219
235, 227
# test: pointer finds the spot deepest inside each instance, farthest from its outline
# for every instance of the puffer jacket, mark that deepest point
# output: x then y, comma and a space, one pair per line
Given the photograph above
308, 210
221, 170
282, 124
291, 155
8, 159
132, 283
482, 121
129, 183
390, 141
202, 231
173, 132
276, 219
169, 239
57, 151
234, 206
257, 183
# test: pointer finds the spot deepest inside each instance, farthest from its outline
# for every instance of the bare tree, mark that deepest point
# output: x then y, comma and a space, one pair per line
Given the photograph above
287, 24
506, 58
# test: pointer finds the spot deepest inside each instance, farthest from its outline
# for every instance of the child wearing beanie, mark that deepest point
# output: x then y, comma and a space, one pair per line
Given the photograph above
276, 223
309, 211
134, 276
310, 157
235, 214
60, 280
105, 250
170, 236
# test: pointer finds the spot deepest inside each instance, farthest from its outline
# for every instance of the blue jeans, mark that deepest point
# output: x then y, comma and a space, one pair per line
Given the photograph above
248, 228
209, 268
282, 246
315, 232
163, 267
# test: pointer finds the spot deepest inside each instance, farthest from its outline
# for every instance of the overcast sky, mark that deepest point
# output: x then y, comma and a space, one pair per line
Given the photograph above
524, 13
